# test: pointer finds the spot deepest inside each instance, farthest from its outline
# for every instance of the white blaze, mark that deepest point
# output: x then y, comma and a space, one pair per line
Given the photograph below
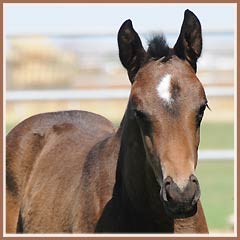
163, 88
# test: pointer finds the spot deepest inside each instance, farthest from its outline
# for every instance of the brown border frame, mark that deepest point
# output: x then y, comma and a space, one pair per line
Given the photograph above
117, 1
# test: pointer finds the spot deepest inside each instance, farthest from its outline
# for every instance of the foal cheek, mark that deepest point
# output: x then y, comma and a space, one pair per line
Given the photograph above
149, 145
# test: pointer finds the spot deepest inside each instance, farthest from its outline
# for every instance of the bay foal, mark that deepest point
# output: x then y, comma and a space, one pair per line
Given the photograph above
73, 172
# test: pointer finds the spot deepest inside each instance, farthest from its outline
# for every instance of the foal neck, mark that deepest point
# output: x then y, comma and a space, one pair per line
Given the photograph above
135, 180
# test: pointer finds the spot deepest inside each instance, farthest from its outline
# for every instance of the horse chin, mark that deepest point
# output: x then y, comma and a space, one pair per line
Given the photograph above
180, 211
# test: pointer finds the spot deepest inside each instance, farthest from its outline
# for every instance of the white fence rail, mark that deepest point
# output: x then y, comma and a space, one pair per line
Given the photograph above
216, 155
47, 95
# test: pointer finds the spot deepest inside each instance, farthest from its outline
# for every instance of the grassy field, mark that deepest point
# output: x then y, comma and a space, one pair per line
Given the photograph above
217, 135
217, 191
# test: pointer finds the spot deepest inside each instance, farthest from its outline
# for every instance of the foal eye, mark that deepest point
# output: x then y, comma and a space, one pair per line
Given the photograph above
140, 115
143, 120
200, 114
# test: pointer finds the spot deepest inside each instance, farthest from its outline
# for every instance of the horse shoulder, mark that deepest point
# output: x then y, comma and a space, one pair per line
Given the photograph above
97, 182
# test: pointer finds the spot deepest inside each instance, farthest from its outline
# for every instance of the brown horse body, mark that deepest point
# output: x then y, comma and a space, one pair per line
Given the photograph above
53, 169
72, 172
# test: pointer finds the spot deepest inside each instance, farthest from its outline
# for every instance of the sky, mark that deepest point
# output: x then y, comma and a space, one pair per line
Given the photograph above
88, 18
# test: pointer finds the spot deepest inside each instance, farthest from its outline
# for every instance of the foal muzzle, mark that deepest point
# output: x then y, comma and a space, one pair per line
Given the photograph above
180, 203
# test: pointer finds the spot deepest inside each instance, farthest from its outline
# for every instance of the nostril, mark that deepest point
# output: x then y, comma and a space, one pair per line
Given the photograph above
197, 192
164, 194
196, 196
193, 179
165, 189
168, 181
167, 184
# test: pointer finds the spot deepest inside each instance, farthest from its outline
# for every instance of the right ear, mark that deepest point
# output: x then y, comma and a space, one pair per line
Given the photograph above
131, 51
189, 43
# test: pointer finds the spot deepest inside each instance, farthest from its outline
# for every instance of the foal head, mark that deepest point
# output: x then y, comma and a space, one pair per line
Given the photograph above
168, 101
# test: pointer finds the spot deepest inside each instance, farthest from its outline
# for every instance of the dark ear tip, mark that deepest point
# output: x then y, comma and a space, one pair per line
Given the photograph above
126, 31
187, 11
127, 24
189, 14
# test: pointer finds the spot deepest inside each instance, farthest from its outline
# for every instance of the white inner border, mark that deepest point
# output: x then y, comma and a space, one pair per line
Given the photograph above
125, 235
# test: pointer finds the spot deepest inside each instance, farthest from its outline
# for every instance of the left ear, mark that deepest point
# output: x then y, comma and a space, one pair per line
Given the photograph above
189, 43
131, 51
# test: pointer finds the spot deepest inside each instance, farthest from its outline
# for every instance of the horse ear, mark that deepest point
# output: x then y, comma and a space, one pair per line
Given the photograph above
131, 51
189, 43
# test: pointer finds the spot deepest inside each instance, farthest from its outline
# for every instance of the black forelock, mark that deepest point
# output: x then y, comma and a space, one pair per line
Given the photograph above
158, 47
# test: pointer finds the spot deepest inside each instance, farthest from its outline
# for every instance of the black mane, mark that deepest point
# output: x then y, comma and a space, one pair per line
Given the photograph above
158, 47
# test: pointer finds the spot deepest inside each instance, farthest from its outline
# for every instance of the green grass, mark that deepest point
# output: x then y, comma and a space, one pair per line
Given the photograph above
217, 191
217, 136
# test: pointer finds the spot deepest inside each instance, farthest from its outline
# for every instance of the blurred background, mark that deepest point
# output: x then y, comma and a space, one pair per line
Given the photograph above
65, 56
